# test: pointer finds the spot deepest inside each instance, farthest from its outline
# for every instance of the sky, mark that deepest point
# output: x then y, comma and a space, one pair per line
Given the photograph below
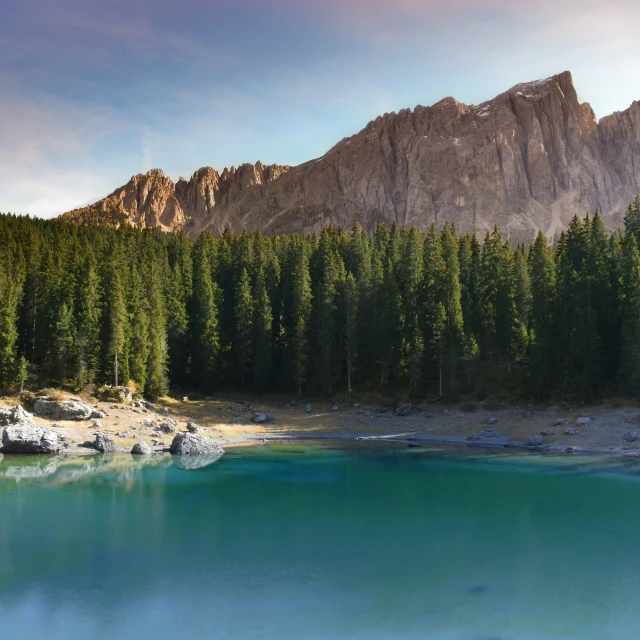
95, 91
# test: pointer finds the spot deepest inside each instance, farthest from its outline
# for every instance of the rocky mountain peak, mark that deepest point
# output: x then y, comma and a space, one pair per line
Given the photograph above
528, 159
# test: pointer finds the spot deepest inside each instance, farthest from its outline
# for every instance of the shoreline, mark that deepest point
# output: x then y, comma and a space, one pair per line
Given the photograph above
556, 430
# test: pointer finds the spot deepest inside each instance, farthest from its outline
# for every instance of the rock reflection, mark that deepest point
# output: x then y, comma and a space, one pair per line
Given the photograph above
189, 463
68, 469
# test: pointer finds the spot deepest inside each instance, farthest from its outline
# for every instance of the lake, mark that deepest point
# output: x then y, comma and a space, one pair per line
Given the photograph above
314, 542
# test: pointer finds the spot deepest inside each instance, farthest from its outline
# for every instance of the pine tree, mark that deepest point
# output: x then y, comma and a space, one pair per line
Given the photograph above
65, 340
450, 294
205, 332
629, 373
10, 290
300, 315
262, 333
157, 361
243, 326
543, 300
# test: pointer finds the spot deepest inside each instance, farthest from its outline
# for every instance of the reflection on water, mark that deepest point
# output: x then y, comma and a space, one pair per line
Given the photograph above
296, 542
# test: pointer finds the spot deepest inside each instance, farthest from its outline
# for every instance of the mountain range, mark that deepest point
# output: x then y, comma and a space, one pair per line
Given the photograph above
528, 159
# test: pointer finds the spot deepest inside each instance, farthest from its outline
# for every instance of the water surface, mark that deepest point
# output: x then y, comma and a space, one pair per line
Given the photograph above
296, 542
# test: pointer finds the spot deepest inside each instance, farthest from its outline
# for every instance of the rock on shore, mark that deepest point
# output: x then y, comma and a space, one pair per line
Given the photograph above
64, 410
29, 439
191, 444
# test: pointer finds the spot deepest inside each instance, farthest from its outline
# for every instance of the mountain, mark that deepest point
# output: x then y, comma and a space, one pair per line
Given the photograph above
529, 159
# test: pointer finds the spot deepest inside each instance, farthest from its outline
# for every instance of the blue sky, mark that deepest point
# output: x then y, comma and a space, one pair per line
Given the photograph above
92, 92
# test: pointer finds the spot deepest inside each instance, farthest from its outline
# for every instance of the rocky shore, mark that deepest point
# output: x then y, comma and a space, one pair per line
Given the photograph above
202, 427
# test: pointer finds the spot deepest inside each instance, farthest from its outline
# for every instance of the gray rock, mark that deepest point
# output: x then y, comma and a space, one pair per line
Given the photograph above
96, 424
104, 443
559, 423
535, 441
580, 422
630, 436
167, 427
16, 415
547, 432
491, 433
570, 431
334, 407
191, 444
152, 424
98, 415
164, 411
141, 449
292, 403
192, 427
64, 410
262, 418
356, 405
28, 438
403, 409
492, 420
473, 437
308, 408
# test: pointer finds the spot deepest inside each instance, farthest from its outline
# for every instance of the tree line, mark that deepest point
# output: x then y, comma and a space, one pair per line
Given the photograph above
430, 314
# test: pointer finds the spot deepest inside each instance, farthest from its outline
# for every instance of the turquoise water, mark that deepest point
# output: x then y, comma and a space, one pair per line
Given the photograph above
313, 543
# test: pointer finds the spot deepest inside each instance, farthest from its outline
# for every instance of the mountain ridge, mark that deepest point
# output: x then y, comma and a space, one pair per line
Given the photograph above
528, 159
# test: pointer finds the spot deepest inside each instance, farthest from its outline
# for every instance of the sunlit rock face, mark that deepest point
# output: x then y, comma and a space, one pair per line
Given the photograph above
529, 159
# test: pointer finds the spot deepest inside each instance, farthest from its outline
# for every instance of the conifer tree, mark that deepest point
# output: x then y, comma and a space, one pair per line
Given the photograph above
243, 326
629, 374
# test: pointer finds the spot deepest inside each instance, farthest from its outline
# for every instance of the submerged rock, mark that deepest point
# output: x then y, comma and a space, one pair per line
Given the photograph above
64, 410
141, 449
104, 443
29, 438
191, 444
189, 463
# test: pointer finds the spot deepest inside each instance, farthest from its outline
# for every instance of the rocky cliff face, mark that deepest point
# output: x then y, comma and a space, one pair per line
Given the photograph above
529, 159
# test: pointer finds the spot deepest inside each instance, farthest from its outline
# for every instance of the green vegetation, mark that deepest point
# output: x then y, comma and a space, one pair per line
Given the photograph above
426, 314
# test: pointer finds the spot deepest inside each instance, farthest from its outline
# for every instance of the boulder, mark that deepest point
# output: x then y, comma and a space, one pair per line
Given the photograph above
559, 423
104, 443
262, 418
570, 431
580, 422
64, 410
334, 407
491, 433
308, 408
191, 444
152, 424
403, 409
535, 441
630, 436
141, 449
192, 427
492, 420
546, 432
98, 415
167, 427
28, 438
16, 415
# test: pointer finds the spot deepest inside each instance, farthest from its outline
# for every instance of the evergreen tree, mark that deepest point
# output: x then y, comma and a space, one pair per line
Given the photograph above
243, 326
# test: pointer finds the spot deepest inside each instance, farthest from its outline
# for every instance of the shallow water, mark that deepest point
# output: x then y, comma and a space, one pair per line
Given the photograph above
298, 542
